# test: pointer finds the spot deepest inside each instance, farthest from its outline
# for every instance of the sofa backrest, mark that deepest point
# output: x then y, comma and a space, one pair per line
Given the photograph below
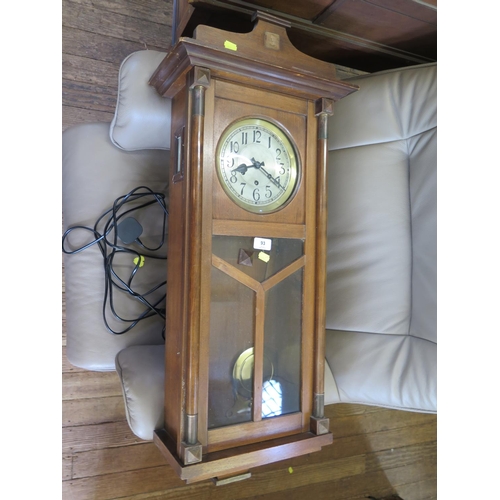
382, 206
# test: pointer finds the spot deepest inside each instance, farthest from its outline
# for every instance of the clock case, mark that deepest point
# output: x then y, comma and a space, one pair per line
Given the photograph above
213, 79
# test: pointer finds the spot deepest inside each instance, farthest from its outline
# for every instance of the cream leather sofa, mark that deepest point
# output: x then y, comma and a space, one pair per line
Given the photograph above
381, 284
381, 289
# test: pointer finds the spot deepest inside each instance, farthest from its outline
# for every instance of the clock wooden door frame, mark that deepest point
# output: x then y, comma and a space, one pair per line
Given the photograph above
213, 80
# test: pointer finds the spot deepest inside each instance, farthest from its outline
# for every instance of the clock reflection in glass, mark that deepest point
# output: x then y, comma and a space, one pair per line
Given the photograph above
257, 165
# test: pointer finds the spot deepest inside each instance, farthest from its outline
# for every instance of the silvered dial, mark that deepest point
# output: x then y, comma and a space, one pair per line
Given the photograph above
257, 165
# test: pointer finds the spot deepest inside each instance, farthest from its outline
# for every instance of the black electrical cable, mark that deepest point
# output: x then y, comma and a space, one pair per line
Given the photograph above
110, 249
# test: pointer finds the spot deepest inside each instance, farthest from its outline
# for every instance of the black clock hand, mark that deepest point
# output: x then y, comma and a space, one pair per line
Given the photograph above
272, 179
242, 168
260, 166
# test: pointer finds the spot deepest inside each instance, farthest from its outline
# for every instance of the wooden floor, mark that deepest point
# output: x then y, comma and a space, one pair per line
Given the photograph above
376, 451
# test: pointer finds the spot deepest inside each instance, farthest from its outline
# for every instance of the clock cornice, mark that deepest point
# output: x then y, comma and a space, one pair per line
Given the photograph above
265, 58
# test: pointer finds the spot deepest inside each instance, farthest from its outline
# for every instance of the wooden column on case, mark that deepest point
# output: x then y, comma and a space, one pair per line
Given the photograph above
320, 424
199, 80
183, 308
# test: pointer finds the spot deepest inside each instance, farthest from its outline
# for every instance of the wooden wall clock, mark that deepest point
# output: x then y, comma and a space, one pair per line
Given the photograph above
246, 250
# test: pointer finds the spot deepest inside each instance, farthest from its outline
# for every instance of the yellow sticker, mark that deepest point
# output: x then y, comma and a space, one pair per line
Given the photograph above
136, 260
264, 257
230, 45
290, 470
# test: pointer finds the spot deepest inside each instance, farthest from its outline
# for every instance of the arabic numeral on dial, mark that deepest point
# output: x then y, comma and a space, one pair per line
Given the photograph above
282, 169
233, 177
269, 142
256, 136
256, 194
278, 154
244, 138
269, 193
235, 147
229, 162
243, 184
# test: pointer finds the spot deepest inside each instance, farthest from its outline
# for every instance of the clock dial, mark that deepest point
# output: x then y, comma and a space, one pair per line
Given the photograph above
257, 165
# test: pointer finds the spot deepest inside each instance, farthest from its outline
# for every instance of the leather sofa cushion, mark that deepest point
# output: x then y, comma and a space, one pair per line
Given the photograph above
94, 174
369, 240
142, 373
142, 116
381, 262
394, 371
390, 105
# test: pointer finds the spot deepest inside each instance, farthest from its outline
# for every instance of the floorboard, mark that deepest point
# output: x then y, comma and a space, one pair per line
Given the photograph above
375, 451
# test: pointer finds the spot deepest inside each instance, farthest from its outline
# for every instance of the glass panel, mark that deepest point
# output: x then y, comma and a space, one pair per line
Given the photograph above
282, 346
231, 335
239, 251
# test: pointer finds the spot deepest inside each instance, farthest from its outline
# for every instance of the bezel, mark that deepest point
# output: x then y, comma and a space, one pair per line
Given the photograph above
285, 139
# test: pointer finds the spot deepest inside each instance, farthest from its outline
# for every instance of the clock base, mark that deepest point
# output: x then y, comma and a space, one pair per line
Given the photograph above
239, 460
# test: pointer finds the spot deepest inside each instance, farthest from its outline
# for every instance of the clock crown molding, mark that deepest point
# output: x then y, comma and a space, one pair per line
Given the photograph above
265, 55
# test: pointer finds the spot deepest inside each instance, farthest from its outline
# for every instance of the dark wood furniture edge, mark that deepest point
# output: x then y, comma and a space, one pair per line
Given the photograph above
316, 29
328, 11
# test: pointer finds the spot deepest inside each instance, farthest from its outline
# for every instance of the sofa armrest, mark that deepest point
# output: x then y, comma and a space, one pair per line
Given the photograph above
142, 373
